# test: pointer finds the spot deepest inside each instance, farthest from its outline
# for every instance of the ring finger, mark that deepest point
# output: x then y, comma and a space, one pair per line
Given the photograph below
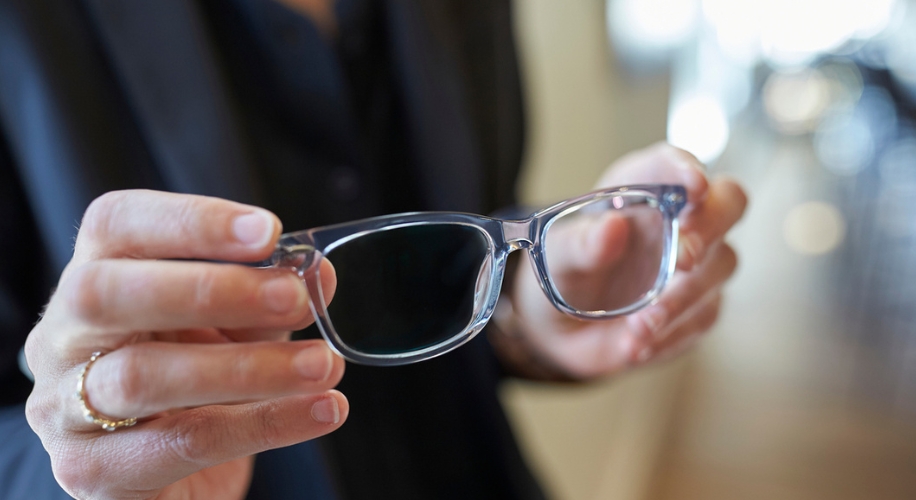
149, 378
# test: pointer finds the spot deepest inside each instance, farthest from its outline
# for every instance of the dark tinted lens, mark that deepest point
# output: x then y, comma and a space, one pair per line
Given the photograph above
408, 288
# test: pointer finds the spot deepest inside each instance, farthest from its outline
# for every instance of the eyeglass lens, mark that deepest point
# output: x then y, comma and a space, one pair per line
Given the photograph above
606, 255
407, 288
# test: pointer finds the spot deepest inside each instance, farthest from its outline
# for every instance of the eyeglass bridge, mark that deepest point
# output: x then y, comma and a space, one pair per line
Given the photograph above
517, 234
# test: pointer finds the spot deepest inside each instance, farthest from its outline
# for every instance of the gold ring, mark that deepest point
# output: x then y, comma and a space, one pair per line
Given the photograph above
90, 414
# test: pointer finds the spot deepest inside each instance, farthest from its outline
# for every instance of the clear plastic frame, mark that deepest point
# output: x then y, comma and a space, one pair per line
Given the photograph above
493, 240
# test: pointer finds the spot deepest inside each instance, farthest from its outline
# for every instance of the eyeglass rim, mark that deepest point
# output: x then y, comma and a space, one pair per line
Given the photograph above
313, 244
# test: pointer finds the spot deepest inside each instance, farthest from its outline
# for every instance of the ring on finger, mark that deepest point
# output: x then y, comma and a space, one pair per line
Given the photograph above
92, 416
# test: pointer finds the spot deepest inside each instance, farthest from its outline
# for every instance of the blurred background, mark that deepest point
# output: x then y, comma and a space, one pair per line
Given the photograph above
806, 388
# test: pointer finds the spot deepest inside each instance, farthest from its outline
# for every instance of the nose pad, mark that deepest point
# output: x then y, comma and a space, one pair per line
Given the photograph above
482, 287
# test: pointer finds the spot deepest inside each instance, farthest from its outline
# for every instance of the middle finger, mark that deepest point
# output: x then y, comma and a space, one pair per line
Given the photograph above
112, 298
708, 222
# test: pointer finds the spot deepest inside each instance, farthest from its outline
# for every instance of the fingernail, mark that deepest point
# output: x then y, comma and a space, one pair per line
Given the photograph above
326, 411
284, 294
314, 363
254, 229
690, 249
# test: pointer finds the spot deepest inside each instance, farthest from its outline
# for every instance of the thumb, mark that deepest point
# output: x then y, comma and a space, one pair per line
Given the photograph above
584, 242
661, 163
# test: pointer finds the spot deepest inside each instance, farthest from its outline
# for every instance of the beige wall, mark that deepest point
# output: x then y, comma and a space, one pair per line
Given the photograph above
582, 113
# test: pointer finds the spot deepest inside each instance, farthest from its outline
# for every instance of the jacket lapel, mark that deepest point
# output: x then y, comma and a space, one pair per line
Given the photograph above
161, 52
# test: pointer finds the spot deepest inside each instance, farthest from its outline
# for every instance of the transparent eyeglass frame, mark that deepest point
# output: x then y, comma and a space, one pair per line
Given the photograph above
303, 251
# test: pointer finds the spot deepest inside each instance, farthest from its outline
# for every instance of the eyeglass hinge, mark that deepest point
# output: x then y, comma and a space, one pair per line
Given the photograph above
300, 257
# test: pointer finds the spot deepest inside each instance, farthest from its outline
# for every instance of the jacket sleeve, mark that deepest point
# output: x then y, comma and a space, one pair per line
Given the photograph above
25, 467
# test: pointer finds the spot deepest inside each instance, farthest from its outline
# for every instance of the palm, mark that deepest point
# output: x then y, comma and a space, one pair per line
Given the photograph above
585, 349
228, 480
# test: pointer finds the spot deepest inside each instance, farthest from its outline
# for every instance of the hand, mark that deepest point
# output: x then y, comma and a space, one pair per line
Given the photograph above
567, 348
199, 351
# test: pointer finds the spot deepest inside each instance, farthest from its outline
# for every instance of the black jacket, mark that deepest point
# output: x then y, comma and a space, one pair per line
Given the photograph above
97, 95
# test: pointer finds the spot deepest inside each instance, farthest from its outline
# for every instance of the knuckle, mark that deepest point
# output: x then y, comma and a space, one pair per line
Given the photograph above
33, 351
194, 437
38, 411
239, 373
96, 223
84, 292
206, 286
68, 472
188, 216
76, 472
73, 463
271, 425
202, 435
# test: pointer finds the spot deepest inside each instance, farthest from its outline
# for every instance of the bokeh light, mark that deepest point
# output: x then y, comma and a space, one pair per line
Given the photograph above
805, 100
651, 26
847, 139
698, 124
844, 143
792, 37
737, 27
814, 228
795, 100
794, 32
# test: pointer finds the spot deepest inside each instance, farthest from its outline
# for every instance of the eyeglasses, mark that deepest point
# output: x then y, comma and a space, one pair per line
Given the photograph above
417, 285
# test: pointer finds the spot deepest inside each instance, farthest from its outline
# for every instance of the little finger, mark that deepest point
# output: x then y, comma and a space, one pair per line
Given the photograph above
688, 332
165, 450
684, 290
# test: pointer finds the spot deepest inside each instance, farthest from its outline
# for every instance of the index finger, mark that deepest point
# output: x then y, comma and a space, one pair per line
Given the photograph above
708, 222
157, 225
661, 163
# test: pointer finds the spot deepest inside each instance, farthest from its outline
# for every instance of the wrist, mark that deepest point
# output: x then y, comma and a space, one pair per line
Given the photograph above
516, 350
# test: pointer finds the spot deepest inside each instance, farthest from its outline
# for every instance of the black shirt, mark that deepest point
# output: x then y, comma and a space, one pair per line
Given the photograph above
183, 95
306, 98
